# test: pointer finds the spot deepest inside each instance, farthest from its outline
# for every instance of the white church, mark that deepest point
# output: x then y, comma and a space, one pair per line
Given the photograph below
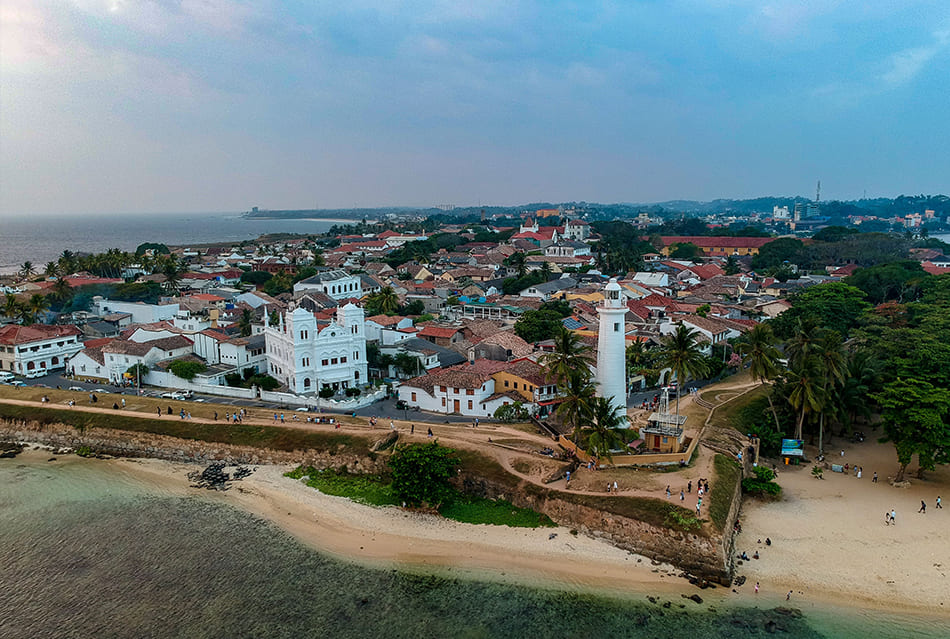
308, 357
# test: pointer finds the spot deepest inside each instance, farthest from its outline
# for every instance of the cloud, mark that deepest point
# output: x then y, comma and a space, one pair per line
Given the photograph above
905, 65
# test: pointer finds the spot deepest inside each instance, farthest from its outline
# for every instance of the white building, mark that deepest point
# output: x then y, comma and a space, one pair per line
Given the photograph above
611, 347
141, 312
33, 351
337, 283
577, 230
307, 357
120, 355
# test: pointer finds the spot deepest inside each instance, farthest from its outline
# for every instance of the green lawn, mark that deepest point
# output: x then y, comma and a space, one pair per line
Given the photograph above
375, 490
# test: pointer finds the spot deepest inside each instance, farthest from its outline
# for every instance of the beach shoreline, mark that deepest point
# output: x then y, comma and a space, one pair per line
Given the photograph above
391, 538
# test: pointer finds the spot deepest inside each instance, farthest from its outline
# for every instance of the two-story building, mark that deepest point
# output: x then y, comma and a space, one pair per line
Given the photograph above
336, 283
33, 351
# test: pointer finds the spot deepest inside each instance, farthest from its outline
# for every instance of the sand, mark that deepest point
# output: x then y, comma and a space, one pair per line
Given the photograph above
830, 542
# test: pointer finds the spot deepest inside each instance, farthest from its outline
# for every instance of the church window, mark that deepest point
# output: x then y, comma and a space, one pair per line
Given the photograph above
616, 327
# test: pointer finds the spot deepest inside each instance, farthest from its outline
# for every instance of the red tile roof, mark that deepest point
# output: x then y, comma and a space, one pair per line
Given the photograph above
14, 334
707, 241
438, 331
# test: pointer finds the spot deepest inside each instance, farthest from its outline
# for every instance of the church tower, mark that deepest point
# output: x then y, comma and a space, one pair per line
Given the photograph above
611, 347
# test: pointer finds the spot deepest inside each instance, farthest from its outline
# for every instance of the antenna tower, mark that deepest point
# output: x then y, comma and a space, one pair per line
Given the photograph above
818, 193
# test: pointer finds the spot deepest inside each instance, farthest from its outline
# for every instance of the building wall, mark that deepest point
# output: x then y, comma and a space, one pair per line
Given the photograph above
38, 358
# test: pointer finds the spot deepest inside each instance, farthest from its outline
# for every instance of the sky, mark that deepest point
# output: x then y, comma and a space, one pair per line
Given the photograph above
213, 105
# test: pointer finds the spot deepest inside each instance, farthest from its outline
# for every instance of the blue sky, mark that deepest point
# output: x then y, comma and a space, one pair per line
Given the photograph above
192, 105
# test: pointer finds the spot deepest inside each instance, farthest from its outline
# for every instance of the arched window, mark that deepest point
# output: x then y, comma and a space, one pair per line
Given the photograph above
30, 366
54, 361
356, 376
306, 382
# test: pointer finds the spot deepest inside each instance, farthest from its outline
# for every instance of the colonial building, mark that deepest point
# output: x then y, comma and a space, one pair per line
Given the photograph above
307, 355
337, 283
33, 351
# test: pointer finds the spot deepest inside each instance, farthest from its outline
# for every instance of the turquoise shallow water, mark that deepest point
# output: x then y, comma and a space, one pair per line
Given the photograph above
89, 551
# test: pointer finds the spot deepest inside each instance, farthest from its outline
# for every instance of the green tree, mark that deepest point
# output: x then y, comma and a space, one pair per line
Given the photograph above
186, 369
762, 483
264, 382
62, 291
915, 417
680, 352
758, 352
257, 278
278, 285
703, 310
834, 305
11, 306
777, 252
535, 326
576, 393
685, 251
383, 302
830, 357
570, 354
422, 472
26, 270
732, 266
51, 269
138, 372
899, 281
641, 361
173, 270
804, 381
518, 263
603, 432
245, 322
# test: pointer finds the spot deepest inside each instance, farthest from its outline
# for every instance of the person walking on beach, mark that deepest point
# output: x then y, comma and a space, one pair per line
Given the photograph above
788, 596
667, 492
893, 517
567, 478
682, 496
757, 587
887, 518
939, 505
923, 507
874, 478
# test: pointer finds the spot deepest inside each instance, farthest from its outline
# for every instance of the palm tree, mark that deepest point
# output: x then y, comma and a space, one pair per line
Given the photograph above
386, 300
831, 361
11, 306
545, 270
51, 269
758, 351
66, 262
681, 353
62, 291
570, 354
38, 304
517, 261
603, 435
803, 344
172, 269
245, 322
640, 361
26, 270
577, 398
862, 377
804, 382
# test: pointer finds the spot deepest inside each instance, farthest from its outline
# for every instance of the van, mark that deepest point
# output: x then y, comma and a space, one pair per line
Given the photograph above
6, 377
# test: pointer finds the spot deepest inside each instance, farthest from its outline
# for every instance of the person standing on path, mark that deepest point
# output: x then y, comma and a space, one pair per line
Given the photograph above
616, 488
412, 429
682, 496
923, 507
689, 486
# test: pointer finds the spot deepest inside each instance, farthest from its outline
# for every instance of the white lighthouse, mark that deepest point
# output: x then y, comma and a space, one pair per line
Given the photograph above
611, 347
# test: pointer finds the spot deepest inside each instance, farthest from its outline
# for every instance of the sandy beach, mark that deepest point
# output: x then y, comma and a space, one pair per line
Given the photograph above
830, 542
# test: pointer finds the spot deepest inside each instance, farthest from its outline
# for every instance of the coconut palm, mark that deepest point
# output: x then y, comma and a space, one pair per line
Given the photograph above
245, 322
172, 269
577, 398
66, 262
51, 269
680, 352
862, 377
570, 354
11, 306
26, 270
830, 357
386, 300
805, 385
757, 350
803, 343
62, 291
517, 261
603, 434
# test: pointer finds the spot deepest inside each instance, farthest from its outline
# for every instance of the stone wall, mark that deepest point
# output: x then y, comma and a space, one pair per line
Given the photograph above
134, 444
698, 555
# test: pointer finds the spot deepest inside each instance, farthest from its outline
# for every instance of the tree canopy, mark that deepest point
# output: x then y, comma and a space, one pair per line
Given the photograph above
421, 473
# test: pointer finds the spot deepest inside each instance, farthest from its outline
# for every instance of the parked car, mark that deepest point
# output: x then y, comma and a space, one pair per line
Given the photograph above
77, 388
173, 395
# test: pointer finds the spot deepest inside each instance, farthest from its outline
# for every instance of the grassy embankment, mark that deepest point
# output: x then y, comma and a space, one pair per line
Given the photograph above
275, 437
728, 474
376, 490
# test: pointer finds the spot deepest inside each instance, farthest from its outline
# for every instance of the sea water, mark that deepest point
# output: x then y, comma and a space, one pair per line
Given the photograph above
89, 550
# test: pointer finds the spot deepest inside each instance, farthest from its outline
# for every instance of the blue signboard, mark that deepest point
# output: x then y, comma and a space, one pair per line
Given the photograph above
793, 448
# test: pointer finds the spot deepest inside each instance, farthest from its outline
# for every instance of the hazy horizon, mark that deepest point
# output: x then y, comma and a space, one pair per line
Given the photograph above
112, 106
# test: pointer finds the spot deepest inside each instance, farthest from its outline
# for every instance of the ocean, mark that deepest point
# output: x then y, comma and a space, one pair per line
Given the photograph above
92, 550
41, 239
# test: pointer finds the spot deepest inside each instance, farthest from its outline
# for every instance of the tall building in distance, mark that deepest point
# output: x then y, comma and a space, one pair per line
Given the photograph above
611, 348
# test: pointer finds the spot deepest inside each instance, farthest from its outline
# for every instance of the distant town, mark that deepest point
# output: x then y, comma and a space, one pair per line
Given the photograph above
450, 313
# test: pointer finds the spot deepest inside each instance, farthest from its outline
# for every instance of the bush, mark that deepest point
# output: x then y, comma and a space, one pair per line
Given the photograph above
233, 379
512, 413
326, 392
264, 382
421, 473
352, 392
762, 484
186, 369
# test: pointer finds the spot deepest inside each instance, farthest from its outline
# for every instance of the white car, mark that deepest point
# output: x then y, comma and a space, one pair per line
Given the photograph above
77, 388
173, 395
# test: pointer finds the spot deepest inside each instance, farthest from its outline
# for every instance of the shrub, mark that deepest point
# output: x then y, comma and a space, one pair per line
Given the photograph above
352, 392
421, 473
186, 369
326, 392
512, 413
762, 484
